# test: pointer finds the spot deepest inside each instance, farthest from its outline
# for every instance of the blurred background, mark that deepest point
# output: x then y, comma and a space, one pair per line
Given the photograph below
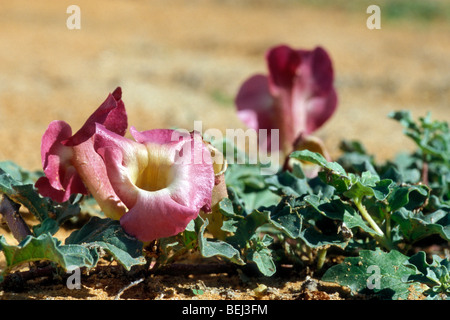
178, 61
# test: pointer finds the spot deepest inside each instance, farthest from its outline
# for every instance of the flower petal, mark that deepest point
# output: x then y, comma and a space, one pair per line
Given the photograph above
111, 114
314, 100
319, 110
282, 62
255, 104
162, 193
61, 178
159, 136
72, 182
91, 168
157, 215
67, 161
258, 109
193, 179
315, 71
54, 155
114, 150
152, 214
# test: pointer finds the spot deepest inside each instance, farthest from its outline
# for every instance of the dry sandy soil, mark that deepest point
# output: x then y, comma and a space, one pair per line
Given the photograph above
180, 61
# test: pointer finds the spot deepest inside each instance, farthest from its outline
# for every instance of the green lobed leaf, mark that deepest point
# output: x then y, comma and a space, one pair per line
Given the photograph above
369, 185
436, 274
170, 248
18, 185
318, 159
318, 223
24, 194
18, 173
264, 261
209, 248
107, 234
336, 209
227, 209
355, 158
349, 184
45, 247
247, 228
49, 225
247, 186
408, 196
376, 272
285, 217
416, 226
432, 137
245, 237
285, 183
244, 177
239, 207
259, 200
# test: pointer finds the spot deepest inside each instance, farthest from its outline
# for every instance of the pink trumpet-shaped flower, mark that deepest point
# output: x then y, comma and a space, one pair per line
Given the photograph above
163, 181
71, 164
155, 185
297, 97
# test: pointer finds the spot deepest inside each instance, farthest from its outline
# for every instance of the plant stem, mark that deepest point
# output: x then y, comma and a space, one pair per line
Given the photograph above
379, 236
321, 257
424, 174
388, 226
10, 211
368, 218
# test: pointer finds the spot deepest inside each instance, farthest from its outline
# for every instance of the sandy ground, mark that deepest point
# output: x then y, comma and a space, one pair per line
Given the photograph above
183, 61
178, 62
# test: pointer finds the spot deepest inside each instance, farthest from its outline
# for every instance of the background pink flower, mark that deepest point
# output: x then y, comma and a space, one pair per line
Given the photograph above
296, 97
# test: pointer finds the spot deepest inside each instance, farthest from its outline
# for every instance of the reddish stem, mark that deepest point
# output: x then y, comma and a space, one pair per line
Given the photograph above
10, 211
425, 172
